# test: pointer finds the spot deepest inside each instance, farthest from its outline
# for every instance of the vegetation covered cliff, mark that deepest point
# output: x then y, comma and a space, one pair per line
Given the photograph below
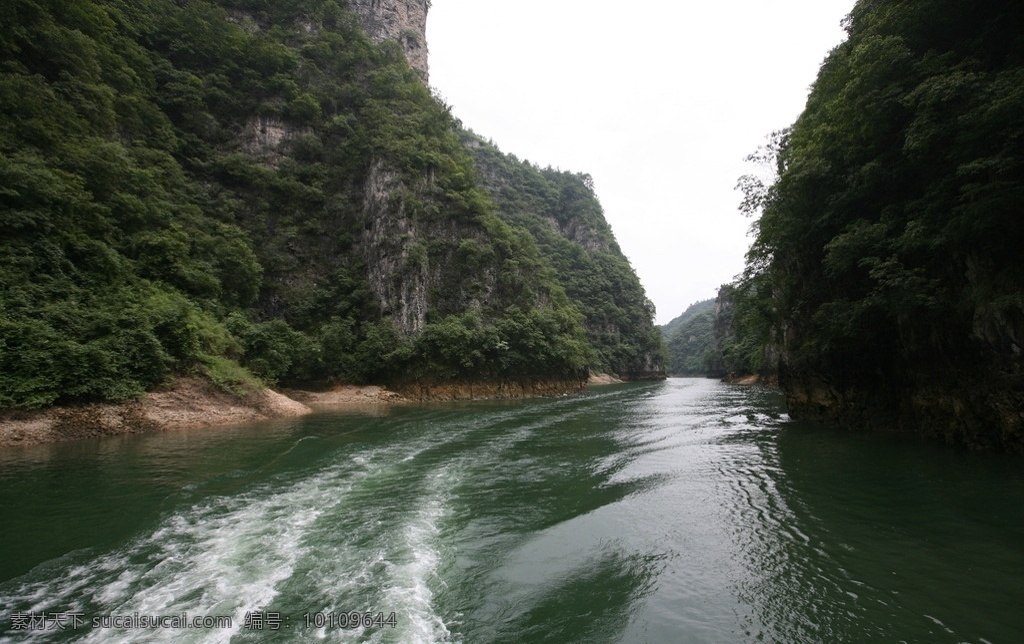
250, 187
887, 264
690, 339
563, 216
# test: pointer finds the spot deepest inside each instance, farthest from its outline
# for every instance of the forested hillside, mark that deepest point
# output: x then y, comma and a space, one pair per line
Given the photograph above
562, 214
887, 264
250, 188
691, 341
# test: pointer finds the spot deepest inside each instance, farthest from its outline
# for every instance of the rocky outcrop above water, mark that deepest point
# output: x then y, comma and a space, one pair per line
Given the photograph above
973, 407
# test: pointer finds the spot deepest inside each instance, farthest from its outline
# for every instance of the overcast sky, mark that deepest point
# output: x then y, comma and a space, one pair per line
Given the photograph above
659, 101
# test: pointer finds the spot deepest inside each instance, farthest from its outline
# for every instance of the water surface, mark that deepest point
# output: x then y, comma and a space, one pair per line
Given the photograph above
685, 511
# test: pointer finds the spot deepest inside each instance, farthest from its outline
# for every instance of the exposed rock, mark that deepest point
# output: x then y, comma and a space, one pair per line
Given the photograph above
401, 21
348, 395
411, 260
398, 267
264, 138
190, 403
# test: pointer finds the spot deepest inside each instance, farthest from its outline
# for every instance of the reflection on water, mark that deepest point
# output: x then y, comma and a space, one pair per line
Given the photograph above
906, 538
568, 609
685, 511
860, 537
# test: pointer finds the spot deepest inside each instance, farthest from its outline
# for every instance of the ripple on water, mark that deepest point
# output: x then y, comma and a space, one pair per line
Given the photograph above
682, 511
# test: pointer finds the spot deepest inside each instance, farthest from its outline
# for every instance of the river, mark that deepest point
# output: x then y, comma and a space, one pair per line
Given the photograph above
683, 511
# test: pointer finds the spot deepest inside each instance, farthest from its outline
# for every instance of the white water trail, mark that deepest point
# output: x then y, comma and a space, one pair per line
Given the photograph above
391, 559
223, 557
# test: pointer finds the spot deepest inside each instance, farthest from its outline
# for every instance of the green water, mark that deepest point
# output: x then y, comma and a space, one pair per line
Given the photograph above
685, 511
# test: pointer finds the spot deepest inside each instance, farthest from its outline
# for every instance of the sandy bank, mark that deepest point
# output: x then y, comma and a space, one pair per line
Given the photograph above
603, 379
492, 391
345, 395
189, 403
755, 379
194, 403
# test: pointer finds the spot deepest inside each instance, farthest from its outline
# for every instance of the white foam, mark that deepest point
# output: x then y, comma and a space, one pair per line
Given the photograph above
225, 558
333, 534
222, 557
414, 570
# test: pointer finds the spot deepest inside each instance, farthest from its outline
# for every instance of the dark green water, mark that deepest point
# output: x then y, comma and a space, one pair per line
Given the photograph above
686, 511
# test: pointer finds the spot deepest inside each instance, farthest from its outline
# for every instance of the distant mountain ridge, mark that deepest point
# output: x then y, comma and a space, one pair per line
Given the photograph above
694, 309
691, 341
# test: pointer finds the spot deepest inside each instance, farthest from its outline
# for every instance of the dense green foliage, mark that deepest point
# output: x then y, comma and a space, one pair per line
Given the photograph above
888, 257
186, 188
669, 329
564, 217
745, 341
109, 266
691, 341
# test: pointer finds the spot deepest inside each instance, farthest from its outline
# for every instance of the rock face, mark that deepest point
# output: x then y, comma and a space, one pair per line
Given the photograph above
398, 271
412, 262
402, 21
399, 274
187, 404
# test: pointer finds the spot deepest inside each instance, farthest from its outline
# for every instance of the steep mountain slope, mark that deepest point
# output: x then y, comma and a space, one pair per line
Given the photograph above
888, 258
249, 187
691, 340
562, 214
668, 330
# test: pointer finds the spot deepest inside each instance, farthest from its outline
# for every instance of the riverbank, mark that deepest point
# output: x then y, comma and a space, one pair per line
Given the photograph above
192, 403
189, 403
603, 379
753, 379
492, 391
347, 395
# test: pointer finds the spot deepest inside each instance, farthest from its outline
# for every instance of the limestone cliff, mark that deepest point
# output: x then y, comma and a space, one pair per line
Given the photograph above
412, 260
401, 21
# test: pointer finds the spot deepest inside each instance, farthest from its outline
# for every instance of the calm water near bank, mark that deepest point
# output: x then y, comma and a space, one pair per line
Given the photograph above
685, 511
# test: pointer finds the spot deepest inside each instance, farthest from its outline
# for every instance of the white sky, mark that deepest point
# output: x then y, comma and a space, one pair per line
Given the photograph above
660, 103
